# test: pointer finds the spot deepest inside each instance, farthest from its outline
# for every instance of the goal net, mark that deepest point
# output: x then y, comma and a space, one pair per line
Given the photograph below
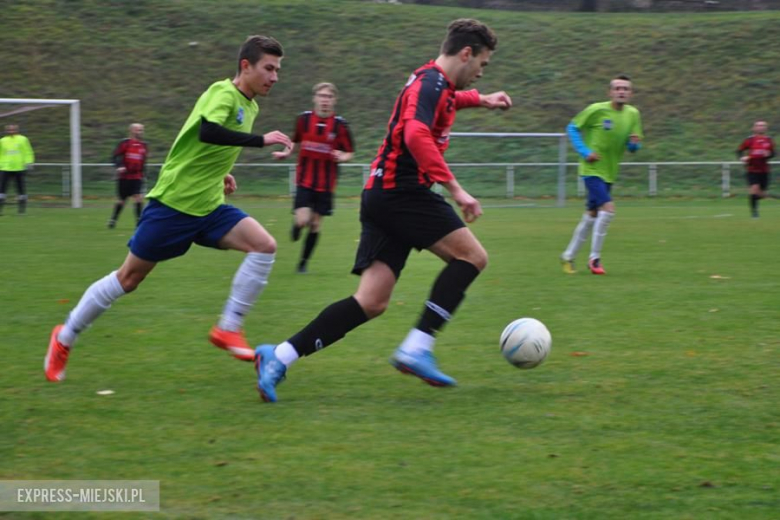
49, 141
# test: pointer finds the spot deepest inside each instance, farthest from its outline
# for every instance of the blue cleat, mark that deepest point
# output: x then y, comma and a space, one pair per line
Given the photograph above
422, 365
270, 372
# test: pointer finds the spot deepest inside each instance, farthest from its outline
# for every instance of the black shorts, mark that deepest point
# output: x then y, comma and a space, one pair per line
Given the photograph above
762, 179
128, 187
395, 221
319, 201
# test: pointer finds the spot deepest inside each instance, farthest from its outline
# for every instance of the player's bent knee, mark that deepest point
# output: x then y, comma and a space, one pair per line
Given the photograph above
374, 308
371, 305
267, 246
478, 257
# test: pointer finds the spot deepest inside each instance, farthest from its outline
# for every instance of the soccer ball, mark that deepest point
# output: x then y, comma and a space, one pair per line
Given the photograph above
526, 343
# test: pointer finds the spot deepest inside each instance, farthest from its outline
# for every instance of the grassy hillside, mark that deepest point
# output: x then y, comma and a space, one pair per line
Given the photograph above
701, 79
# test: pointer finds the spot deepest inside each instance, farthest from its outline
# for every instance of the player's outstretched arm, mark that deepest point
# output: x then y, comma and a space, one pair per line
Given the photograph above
495, 100
277, 137
213, 133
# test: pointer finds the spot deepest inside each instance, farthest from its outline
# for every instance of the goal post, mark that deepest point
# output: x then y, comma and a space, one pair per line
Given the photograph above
75, 137
562, 149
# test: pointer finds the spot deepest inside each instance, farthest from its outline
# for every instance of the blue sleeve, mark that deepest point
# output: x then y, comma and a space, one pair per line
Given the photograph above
633, 147
575, 137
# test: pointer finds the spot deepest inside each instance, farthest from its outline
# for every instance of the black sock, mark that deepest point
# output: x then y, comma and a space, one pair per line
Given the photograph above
311, 241
448, 291
754, 203
117, 210
139, 207
2, 203
22, 206
295, 232
333, 323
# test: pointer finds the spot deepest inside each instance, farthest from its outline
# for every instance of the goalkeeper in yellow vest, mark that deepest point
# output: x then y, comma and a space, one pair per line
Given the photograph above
601, 134
16, 158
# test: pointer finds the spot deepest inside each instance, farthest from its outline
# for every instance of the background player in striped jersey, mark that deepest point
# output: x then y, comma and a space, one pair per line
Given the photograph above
129, 157
760, 149
399, 212
323, 140
601, 134
187, 205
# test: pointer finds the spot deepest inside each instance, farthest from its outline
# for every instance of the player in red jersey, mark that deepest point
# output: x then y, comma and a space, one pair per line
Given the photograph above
399, 212
130, 161
323, 140
760, 149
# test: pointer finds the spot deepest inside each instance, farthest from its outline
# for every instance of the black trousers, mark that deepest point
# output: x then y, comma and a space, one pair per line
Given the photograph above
20, 186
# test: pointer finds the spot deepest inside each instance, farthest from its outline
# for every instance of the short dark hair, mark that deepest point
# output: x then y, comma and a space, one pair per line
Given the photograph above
624, 77
467, 32
255, 47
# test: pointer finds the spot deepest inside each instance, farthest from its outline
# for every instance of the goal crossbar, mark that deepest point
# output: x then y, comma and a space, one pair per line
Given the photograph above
75, 138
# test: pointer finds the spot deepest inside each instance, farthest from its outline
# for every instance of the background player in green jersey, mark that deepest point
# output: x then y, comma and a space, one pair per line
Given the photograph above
187, 205
600, 134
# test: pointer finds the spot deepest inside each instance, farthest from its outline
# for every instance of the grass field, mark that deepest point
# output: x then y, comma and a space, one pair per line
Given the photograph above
659, 400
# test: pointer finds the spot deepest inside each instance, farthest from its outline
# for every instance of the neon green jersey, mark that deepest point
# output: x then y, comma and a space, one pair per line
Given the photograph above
15, 153
192, 177
606, 131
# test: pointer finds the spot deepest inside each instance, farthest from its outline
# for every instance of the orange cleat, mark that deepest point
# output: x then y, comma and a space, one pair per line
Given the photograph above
56, 357
594, 264
233, 342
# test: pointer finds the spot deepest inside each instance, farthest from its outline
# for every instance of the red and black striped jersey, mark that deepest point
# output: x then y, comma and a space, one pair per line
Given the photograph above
760, 149
411, 154
131, 154
317, 138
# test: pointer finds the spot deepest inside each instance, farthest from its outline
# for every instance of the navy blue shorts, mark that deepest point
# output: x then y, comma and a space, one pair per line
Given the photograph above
164, 233
598, 192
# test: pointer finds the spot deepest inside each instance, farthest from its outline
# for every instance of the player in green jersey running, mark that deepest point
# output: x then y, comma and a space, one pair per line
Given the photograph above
187, 205
600, 134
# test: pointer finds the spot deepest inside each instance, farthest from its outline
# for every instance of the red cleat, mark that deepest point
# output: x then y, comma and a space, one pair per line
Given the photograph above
233, 342
594, 264
56, 357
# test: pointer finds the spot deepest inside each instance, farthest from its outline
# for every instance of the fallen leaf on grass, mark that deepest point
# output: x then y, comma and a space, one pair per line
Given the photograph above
63, 300
580, 354
719, 277
105, 392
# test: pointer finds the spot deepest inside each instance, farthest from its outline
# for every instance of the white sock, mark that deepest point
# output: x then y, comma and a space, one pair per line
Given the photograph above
579, 237
599, 233
95, 301
248, 283
286, 353
417, 342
